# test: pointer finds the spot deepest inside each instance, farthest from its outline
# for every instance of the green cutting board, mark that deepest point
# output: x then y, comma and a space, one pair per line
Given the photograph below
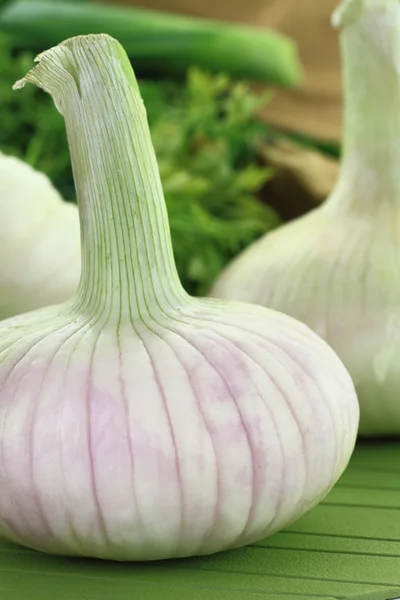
347, 547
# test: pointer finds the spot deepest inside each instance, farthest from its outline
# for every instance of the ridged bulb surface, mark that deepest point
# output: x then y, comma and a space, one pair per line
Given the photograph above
197, 431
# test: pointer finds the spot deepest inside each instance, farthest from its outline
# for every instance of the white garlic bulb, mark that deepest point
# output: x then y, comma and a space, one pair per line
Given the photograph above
136, 422
337, 269
40, 240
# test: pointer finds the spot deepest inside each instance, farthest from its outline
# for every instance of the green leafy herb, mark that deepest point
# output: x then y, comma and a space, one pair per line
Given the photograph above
206, 139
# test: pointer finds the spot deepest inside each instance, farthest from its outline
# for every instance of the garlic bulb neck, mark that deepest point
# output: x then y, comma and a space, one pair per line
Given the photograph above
349, 11
370, 45
123, 216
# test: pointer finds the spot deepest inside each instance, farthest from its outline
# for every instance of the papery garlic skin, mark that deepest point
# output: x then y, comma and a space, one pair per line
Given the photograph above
337, 269
40, 240
136, 422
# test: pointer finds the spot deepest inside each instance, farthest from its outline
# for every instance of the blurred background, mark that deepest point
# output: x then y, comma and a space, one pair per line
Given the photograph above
243, 100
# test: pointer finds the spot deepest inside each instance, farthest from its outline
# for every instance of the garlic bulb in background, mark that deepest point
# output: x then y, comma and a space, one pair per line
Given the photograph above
337, 269
136, 422
39, 240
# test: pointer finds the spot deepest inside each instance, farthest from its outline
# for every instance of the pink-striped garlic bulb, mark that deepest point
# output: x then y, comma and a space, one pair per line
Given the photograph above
136, 422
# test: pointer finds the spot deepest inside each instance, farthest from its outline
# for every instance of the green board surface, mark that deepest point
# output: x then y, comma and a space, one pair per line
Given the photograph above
347, 547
